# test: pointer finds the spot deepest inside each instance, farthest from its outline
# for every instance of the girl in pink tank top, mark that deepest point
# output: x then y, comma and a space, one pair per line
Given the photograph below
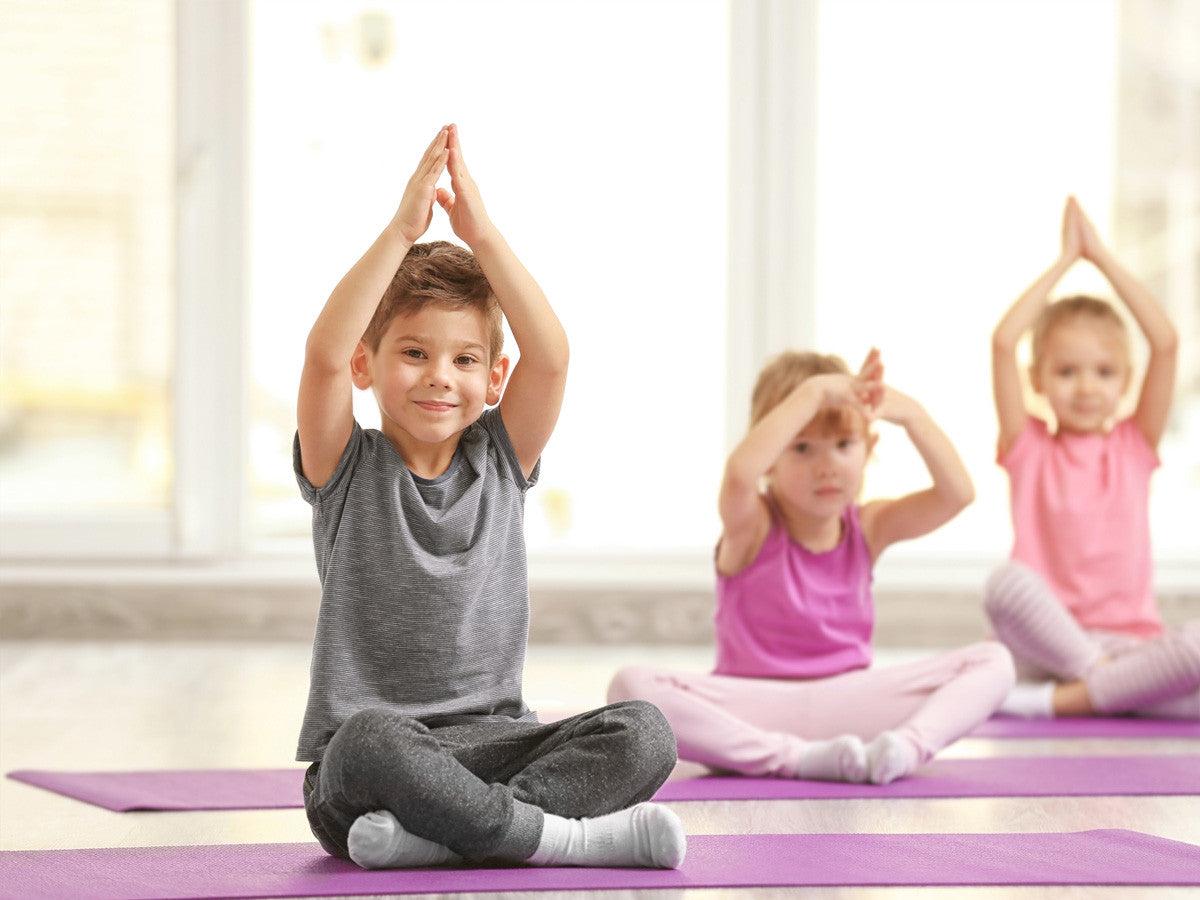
793, 693
1076, 603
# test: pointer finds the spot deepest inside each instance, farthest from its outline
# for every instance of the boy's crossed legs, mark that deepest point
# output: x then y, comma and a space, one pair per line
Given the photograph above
392, 792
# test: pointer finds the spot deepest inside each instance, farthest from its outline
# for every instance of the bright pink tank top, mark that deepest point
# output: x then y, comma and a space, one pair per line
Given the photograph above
793, 613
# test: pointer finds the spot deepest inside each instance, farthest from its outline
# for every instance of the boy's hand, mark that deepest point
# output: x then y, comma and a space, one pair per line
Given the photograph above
416, 206
462, 202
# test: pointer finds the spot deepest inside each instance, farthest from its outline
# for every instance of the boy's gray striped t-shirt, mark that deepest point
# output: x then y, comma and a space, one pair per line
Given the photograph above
424, 590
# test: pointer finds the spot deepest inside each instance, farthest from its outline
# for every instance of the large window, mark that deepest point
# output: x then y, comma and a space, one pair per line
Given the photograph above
86, 211
695, 183
596, 131
949, 135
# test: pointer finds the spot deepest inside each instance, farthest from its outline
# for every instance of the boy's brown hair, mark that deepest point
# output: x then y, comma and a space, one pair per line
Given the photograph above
443, 274
785, 372
1080, 306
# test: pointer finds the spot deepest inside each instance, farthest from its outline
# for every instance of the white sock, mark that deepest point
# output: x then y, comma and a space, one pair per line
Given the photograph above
889, 757
378, 841
1030, 700
843, 758
647, 836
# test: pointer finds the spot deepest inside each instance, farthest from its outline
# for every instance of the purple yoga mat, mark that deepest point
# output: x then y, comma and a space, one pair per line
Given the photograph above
175, 789
1006, 776
1019, 776
216, 872
1097, 727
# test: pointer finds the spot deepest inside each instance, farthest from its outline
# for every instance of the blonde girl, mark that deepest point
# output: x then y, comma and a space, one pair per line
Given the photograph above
1075, 603
793, 693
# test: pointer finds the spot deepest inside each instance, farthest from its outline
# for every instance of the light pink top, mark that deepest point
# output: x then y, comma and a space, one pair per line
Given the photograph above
793, 613
1080, 509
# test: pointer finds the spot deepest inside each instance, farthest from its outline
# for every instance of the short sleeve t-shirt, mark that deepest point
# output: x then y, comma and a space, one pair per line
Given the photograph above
1080, 511
424, 591
793, 613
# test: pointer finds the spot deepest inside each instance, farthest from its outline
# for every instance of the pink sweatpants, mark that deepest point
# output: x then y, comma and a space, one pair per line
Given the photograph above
757, 726
1150, 677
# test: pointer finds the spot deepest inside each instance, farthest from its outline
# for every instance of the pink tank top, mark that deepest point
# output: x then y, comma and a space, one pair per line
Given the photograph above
793, 613
1080, 509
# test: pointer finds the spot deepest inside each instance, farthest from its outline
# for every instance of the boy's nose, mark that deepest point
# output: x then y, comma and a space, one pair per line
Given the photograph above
438, 373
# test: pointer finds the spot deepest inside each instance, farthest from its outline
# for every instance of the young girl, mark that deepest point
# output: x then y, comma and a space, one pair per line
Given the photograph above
793, 694
1075, 604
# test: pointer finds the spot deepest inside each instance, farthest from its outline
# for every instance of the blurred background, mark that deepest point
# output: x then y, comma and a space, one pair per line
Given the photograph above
695, 183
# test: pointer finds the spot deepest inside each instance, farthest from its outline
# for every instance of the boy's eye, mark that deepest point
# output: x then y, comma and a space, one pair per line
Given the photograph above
845, 443
465, 360
802, 447
414, 353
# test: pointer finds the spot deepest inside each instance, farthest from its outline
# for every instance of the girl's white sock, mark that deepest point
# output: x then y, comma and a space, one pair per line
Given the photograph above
843, 758
1030, 700
648, 836
378, 841
889, 757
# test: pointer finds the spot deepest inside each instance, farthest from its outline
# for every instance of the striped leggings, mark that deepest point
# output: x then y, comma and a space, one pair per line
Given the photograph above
1157, 677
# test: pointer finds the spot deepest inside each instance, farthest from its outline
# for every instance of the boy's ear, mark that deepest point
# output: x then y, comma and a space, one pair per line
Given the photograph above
360, 366
496, 379
872, 440
1035, 380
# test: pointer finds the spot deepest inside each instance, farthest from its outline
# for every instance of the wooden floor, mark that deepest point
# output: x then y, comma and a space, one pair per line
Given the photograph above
96, 706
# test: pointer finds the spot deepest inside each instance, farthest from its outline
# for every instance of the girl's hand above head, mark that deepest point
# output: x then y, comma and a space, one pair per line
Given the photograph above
1072, 234
462, 202
896, 408
1091, 247
870, 382
415, 212
836, 389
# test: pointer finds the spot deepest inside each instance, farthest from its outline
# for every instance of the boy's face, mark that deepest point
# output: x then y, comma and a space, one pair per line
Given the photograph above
1083, 373
430, 375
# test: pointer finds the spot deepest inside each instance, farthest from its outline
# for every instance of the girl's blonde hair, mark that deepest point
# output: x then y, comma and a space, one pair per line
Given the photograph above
781, 375
1072, 309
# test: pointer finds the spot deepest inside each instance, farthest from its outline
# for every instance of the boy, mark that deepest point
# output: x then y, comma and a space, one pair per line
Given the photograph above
422, 748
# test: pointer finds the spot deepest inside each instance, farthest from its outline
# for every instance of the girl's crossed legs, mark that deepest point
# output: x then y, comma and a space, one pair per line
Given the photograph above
816, 728
1097, 672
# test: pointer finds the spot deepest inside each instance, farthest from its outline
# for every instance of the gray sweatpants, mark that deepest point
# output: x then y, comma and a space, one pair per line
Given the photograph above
481, 789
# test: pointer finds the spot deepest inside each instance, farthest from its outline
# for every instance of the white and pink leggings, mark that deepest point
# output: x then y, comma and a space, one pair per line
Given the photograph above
1142, 676
758, 726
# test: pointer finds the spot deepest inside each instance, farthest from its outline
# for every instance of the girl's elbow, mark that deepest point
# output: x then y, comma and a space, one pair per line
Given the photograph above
962, 496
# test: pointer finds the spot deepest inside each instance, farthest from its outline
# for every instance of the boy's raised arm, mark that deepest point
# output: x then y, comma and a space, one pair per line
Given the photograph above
1158, 383
533, 399
1006, 378
324, 412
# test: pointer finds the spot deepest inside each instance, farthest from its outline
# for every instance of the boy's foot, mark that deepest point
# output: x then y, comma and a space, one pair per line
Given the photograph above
648, 836
378, 841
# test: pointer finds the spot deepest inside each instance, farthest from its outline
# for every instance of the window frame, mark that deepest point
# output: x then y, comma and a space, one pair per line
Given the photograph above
771, 263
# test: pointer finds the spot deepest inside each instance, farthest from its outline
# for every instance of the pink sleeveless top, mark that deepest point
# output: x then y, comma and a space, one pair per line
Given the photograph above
1080, 510
793, 613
